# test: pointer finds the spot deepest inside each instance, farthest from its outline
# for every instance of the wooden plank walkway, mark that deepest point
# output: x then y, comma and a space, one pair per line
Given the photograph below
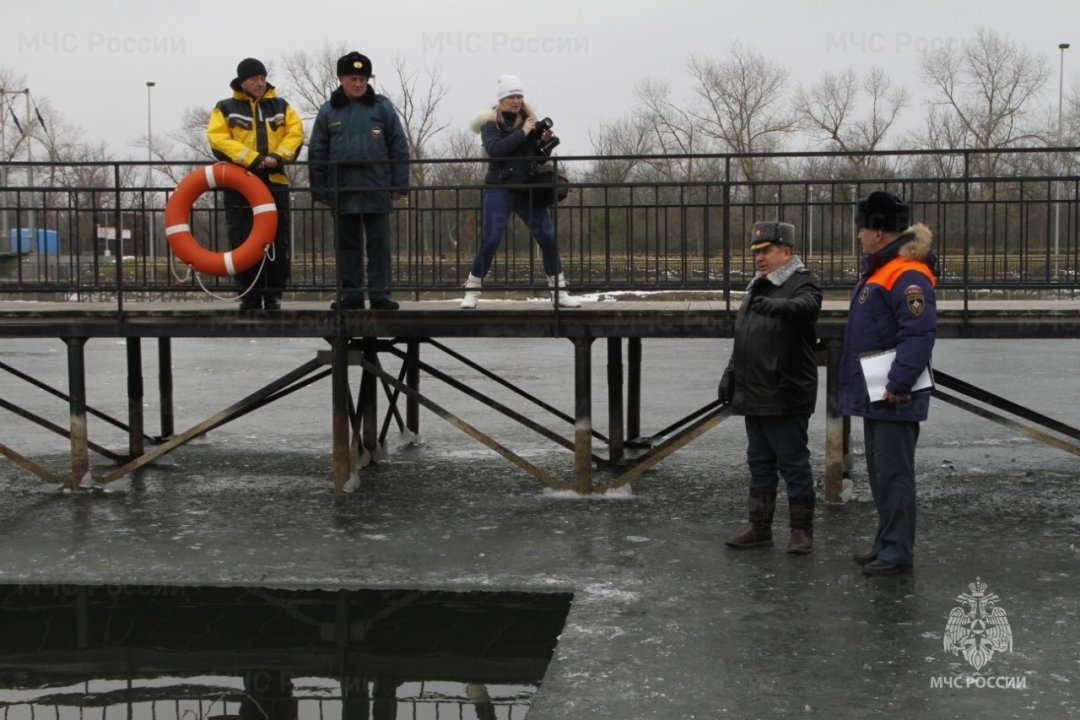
357, 338
494, 318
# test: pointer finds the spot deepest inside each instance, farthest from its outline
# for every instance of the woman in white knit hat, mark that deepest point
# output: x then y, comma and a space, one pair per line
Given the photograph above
507, 132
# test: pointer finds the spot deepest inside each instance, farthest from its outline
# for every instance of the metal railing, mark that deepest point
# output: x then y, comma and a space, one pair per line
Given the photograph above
1002, 222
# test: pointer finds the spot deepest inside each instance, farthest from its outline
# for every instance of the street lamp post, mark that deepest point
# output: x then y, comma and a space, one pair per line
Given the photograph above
149, 177
1057, 210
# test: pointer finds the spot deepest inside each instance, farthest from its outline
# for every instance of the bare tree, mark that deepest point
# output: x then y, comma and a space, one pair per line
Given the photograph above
186, 145
418, 105
11, 85
829, 111
456, 190
190, 137
674, 131
31, 128
617, 144
983, 90
311, 77
54, 139
34, 130
742, 104
458, 144
1070, 116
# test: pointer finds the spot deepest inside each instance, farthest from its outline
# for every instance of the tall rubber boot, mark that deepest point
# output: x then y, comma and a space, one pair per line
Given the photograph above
801, 510
758, 533
472, 292
564, 300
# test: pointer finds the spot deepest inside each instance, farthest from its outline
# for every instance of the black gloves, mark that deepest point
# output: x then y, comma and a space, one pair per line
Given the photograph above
726, 390
769, 307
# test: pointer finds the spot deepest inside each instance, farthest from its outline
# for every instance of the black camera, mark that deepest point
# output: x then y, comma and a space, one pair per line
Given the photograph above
544, 147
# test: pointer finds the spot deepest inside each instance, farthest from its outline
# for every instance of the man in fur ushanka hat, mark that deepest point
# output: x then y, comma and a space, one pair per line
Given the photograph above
359, 168
893, 308
771, 379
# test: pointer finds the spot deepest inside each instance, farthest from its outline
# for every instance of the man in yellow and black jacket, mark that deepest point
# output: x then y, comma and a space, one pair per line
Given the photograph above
261, 132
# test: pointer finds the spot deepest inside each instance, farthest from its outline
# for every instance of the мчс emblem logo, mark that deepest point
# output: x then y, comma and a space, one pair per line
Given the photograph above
916, 299
978, 628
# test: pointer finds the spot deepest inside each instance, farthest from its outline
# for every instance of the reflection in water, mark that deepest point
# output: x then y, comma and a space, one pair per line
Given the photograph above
275, 654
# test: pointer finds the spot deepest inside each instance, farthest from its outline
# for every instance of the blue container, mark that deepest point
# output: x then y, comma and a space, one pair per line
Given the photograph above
48, 242
20, 240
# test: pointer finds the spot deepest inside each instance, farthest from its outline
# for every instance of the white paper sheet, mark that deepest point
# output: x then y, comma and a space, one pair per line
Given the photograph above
875, 368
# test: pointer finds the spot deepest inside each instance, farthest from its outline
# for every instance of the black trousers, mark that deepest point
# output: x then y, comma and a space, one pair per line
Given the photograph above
238, 220
890, 463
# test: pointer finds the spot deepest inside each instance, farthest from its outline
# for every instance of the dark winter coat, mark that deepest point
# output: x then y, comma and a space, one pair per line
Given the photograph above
893, 306
506, 143
364, 134
773, 368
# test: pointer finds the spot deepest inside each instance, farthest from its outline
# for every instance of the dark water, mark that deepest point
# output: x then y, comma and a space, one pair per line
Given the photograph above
284, 654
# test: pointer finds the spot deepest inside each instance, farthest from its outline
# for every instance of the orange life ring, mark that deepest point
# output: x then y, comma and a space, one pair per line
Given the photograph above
178, 217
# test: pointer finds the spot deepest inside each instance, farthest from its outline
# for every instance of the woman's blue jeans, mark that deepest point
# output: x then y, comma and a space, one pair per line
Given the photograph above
498, 204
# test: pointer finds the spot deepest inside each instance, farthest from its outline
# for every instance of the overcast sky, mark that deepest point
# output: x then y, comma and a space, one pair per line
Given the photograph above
579, 61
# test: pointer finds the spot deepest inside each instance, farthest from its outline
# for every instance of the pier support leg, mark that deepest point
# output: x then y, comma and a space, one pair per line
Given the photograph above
165, 387
412, 381
836, 426
583, 415
80, 449
615, 399
135, 397
339, 381
633, 388
369, 403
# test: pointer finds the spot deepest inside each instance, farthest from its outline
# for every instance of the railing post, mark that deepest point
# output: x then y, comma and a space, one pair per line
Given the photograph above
118, 225
964, 234
727, 234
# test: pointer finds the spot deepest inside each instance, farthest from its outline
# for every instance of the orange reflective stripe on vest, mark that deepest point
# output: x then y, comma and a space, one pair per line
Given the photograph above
887, 275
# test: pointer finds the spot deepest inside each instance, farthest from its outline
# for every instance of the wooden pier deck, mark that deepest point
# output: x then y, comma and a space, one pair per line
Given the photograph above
494, 318
358, 338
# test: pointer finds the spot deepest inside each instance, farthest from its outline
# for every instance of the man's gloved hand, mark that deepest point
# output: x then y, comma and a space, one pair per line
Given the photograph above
769, 307
726, 390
